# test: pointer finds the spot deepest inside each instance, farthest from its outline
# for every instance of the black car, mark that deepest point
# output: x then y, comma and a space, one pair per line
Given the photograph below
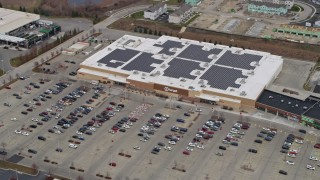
234, 144
140, 134
41, 138
284, 151
33, 126
302, 131
161, 144
26, 105
222, 148
32, 151
51, 131
59, 150
283, 172
258, 141
122, 130
285, 147
24, 112
253, 150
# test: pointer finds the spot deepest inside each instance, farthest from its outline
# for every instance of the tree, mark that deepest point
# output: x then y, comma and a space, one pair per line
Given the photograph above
17, 75
0, 5
20, 8
145, 30
155, 32
150, 31
210, 41
204, 40
24, 9
160, 33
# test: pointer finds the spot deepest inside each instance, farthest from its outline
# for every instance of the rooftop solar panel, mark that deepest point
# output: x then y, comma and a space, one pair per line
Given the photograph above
182, 68
221, 77
195, 52
118, 55
241, 61
168, 45
142, 63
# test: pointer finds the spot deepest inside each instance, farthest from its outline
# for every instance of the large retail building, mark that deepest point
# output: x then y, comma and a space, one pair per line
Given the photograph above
185, 69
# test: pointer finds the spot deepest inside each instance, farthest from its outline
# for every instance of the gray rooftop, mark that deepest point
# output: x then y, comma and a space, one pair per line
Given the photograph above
155, 7
184, 8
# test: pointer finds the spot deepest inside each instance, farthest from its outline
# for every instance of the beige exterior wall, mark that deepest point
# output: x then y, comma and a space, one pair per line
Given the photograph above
104, 70
141, 85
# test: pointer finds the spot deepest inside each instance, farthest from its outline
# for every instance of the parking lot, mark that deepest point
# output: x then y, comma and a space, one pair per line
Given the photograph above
73, 127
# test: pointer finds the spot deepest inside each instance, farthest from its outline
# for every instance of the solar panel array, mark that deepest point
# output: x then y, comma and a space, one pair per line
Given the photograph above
168, 45
118, 55
222, 77
142, 63
241, 61
182, 68
195, 52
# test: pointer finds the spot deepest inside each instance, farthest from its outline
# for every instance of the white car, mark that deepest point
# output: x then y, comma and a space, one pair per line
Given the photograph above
57, 132
310, 167
200, 146
79, 133
189, 149
92, 129
143, 140
290, 162
168, 148
313, 158
191, 144
136, 147
17, 131
13, 119
292, 155
49, 110
35, 119
198, 110
73, 146
111, 131
25, 133
130, 123
172, 142
55, 127
299, 141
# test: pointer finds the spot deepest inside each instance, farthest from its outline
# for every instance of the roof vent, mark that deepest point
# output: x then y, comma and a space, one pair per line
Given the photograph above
270, 97
257, 63
238, 52
158, 73
99, 64
305, 107
242, 81
143, 74
163, 66
198, 73
135, 72
243, 93
232, 90
214, 56
183, 80
201, 81
282, 100
206, 64
191, 87
164, 56
203, 86
297, 105
251, 72
109, 49
289, 102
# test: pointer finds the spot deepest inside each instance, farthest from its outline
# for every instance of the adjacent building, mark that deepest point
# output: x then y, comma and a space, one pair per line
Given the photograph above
154, 11
184, 69
278, 7
305, 110
181, 14
192, 2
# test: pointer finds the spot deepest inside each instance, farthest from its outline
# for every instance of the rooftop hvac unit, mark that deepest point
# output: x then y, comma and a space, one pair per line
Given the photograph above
270, 97
109, 49
135, 72
191, 87
163, 66
143, 74
206, 64
203, 86
198, 73
214, 56
99, 64
201, 81
232, 90
164, 56
174, 49
158, 73
256, 63
305, 107
238, 52
251, 72
242, 81
282, 100
183, 80
243, 93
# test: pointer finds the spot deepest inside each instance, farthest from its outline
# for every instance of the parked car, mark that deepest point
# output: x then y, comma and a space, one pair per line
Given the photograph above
283, 172
258, 141
253, 150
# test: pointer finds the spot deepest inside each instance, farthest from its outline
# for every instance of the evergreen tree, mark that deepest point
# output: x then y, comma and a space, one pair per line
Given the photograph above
155, 32
159, 34
0, 5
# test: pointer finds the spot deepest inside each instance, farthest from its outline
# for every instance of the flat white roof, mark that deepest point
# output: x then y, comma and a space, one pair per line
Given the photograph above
11, 19
8, 38
189, 64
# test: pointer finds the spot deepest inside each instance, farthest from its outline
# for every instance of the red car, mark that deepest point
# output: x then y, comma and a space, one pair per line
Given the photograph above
8, 87
113, 164
317, 146
109, 108
210, 132
186, 152
113, 103
115, 128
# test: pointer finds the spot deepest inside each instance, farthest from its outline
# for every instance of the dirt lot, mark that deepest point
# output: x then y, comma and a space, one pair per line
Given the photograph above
282, 48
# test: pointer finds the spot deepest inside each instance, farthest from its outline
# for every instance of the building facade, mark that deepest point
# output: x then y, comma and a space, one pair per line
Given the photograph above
154, 11
181, 14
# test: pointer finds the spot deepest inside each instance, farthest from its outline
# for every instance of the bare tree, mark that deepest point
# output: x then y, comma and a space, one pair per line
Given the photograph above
4, 145
4, 81
36, 64
17, 75
10, 77
175, 164
80, 178
35, 168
